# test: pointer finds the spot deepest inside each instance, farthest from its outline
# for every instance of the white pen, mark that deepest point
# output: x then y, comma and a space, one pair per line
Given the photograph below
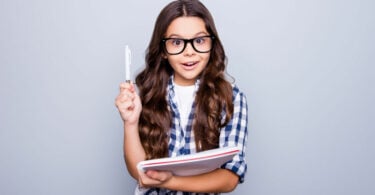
128, 60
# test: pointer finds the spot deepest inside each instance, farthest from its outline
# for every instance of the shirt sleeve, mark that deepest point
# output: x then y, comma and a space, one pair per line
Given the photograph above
235, 134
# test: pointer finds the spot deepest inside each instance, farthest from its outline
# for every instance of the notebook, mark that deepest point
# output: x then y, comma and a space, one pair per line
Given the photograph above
191, 164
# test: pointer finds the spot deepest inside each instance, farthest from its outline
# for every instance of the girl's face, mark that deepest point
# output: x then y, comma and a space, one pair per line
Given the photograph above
190, 63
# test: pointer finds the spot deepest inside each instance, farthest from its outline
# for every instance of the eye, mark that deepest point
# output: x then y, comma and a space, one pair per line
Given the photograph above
177, 42
200, 40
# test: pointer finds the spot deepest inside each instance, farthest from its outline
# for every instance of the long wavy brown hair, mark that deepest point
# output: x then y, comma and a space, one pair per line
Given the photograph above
213, 96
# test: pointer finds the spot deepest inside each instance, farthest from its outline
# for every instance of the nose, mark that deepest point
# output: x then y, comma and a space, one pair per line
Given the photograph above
189, 50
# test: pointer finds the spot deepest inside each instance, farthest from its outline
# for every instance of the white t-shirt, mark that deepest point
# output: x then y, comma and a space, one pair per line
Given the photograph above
185, 96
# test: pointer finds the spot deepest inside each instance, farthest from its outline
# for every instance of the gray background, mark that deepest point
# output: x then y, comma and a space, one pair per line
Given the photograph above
306, 66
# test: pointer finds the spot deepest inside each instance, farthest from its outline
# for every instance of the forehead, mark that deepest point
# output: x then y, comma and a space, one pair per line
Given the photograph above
186, 27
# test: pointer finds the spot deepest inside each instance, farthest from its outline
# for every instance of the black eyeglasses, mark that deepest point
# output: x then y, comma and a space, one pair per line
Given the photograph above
174, 46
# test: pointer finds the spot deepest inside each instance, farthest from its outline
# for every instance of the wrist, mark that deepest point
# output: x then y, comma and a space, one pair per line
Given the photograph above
130, 127
171, 183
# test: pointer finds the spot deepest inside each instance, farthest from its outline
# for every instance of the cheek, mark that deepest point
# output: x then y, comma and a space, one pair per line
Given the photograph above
206, 58
172, 60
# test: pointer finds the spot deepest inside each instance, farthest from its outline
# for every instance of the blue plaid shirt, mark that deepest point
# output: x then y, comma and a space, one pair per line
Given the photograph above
182, 140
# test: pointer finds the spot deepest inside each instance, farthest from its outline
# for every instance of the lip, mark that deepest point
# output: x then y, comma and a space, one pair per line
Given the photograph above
190, 64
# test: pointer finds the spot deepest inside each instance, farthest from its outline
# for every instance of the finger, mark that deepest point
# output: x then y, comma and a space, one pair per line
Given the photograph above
128, 86
125, 96
145, 181
124, 107
124, 100
161, 176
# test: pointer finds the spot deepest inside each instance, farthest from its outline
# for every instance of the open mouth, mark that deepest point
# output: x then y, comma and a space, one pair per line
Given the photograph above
190, 63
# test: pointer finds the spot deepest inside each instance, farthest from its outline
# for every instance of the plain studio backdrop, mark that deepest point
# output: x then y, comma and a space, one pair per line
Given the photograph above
306, 67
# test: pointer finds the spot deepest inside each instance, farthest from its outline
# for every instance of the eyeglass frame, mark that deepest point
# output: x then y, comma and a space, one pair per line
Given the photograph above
188, 41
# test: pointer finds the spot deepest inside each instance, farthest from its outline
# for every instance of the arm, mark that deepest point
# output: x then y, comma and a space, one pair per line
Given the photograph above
235, 134
219, 180
133, 150
129, 105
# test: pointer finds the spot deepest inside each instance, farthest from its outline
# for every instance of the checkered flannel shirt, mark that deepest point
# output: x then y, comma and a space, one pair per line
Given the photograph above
182, 142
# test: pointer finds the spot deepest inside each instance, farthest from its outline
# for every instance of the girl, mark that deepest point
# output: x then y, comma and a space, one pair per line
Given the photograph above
185, 104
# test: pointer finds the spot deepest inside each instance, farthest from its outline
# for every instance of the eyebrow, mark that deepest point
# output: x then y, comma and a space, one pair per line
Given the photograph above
196, 35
